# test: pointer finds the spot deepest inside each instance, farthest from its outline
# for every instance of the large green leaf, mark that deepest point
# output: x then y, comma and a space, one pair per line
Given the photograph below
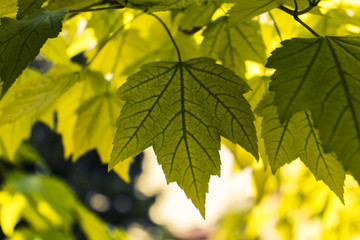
28, 6
21, 40
297, 137
322, 74
96, 120
181, 109
233, 45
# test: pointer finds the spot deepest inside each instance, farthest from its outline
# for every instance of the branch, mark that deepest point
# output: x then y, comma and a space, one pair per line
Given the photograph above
170, 35
295, 13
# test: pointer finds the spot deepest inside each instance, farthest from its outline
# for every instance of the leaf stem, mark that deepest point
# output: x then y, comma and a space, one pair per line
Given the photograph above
295, 13
170, 35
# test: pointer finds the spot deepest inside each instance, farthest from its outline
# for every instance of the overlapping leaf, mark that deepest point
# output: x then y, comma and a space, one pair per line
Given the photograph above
233, 45
96, 120
21, 40
245, 10
197, 16
322, 74
297, 137
181, 109
28, 6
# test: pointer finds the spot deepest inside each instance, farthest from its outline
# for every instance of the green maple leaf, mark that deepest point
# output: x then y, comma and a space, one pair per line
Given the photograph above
234, 44
297, 137
181, 109
28, 6
322, 74
21, 40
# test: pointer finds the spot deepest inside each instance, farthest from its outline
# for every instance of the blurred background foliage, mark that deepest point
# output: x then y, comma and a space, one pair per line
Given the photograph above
55, 142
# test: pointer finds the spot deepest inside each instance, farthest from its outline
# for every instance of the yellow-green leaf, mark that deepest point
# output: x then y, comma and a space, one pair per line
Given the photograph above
181, 109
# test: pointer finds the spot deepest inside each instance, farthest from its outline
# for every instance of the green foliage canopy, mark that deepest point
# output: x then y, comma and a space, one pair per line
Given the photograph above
181, 108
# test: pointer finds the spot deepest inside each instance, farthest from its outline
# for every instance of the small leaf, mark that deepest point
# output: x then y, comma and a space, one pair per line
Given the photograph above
297, 137
233, 45
322, 74
181, 109
28, 6
21, 40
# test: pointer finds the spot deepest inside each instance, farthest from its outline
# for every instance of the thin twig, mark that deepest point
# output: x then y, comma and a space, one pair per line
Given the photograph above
295, 13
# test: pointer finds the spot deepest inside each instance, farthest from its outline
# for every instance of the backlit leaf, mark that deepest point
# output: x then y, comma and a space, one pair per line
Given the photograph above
181, 109
297, 137
8, 8
244, 10
161, 5
21, 40
35, 92
96, 120
322, 74
233, 45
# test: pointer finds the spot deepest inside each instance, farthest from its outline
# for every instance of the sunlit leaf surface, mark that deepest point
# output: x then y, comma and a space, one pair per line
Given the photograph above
181, 109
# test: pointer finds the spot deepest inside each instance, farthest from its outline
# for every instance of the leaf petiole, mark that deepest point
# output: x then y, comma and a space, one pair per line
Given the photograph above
170, 35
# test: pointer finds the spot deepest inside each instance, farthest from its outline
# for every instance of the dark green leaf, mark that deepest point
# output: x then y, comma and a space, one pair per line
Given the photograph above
21, 40
28, 6
181, 109
322, 74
